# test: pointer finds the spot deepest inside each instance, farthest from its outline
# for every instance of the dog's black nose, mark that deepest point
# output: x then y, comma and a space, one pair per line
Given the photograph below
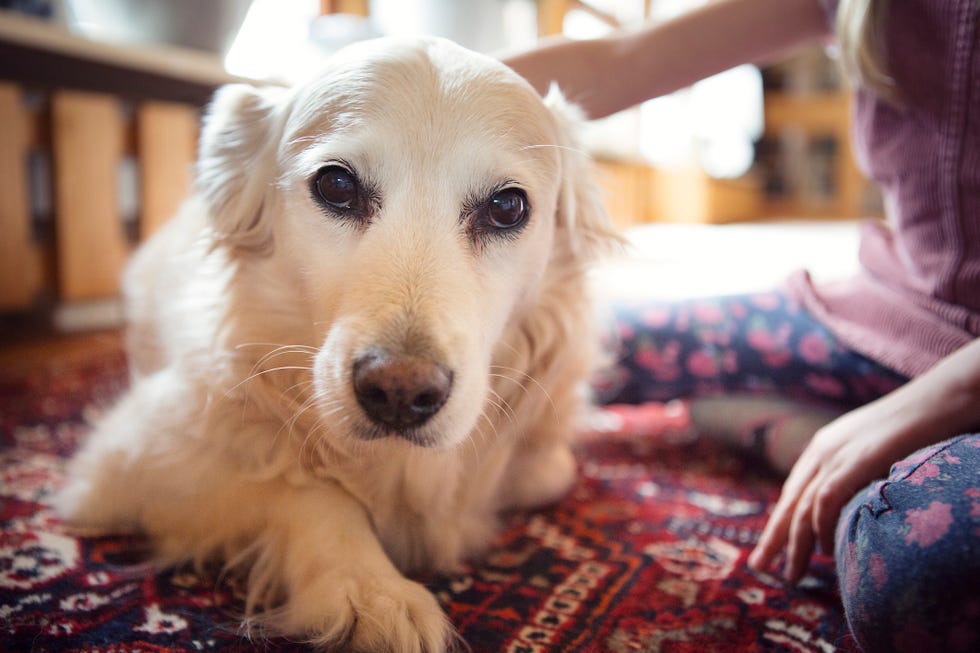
400, 392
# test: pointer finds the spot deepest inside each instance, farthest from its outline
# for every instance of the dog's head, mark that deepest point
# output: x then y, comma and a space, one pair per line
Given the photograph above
417, 196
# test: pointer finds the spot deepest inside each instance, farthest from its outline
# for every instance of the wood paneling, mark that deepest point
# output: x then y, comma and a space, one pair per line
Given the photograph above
88, 133
623, 191
551, 16
166, 143
356, 7
21, 273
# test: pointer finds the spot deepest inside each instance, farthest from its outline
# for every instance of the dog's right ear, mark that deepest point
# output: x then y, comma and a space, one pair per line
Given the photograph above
235, 156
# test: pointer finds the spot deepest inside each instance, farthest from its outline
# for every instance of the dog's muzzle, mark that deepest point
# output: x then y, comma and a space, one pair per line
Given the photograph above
400, 392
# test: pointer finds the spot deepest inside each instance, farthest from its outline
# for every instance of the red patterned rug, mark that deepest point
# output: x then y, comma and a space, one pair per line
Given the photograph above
646, 554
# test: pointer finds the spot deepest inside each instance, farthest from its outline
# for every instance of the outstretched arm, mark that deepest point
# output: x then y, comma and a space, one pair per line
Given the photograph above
609, 74
859, 447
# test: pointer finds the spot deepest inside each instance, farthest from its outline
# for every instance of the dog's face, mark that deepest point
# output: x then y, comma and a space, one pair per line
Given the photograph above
414, 193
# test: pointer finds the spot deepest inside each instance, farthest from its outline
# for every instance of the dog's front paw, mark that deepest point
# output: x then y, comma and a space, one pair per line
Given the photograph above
368, 614
93, 506
538, 477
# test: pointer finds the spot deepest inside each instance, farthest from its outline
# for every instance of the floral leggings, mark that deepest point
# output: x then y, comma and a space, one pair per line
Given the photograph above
908, 547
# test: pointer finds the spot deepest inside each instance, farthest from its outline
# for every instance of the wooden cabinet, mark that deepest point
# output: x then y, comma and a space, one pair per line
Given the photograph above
805, 160
636, 193
804, 167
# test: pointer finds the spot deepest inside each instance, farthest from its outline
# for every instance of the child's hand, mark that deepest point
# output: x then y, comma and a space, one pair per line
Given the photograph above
842, 457
859, 447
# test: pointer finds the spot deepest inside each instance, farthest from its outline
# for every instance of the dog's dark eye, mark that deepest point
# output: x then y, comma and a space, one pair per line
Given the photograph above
337, 187
507, 209
500, 213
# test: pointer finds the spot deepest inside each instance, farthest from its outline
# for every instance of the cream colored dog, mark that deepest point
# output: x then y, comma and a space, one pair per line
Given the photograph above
362, 337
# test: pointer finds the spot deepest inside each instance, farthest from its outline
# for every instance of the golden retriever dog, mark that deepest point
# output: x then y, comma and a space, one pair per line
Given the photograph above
363, 336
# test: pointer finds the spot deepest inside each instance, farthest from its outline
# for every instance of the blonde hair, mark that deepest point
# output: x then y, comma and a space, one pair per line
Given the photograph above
859, 25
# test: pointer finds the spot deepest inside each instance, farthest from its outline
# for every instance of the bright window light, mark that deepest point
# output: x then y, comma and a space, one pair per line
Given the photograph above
274, 42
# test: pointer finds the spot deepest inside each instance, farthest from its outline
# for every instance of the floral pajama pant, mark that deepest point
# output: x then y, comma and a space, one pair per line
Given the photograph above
908, 547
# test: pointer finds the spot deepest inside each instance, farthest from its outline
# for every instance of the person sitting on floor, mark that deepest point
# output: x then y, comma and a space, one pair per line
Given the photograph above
895, 348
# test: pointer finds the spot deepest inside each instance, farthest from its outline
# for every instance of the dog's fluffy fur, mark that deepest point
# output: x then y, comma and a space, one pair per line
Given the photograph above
241, 436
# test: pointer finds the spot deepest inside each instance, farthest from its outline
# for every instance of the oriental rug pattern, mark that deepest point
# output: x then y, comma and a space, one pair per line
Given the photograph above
646, 554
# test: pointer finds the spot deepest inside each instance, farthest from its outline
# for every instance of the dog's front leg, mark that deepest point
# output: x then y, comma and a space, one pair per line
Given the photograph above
342, 589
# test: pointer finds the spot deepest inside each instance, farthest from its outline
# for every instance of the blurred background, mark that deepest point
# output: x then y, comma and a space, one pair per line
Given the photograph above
100, 101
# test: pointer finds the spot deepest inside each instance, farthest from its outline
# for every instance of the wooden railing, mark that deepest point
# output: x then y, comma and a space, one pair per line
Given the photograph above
87, 141
97, 144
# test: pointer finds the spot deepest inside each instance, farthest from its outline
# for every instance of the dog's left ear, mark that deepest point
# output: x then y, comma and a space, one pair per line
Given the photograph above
238, 139
581, 213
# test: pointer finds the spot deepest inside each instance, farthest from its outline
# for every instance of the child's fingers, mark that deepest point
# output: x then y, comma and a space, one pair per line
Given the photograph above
773, 537
800, 540
834, 492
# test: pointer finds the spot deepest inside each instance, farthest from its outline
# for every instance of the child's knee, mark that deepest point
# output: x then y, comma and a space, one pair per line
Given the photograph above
906, 554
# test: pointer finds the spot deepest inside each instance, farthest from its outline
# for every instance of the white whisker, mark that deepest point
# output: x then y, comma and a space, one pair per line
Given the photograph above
502, 406
576, 150
533, 380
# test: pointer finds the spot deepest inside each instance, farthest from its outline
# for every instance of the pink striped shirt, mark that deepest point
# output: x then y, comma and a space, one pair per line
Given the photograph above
917, 297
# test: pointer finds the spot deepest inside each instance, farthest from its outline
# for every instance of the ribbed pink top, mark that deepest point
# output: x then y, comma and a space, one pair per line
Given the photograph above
917, 298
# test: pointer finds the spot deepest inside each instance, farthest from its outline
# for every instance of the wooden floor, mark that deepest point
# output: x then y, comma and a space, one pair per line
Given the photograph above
22, 348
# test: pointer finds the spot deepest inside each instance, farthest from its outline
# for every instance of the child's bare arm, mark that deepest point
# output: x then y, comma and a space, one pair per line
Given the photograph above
615, 72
